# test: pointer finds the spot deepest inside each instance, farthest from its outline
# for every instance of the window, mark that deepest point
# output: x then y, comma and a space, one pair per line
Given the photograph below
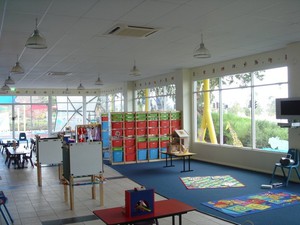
24, 114
156, 99
239, 110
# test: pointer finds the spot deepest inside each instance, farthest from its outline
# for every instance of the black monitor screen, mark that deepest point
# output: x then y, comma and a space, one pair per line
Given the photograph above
290, 107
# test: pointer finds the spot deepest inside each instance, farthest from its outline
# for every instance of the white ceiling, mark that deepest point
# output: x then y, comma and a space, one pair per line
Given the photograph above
77, 43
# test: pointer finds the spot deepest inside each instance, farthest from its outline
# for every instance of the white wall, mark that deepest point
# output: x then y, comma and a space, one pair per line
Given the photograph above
255, 160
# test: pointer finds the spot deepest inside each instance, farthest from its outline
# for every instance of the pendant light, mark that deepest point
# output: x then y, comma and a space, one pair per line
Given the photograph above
134, 71
5, 87
201, 52
36, 41
80, 87
98, 81
17, 68
67, 91
9, 81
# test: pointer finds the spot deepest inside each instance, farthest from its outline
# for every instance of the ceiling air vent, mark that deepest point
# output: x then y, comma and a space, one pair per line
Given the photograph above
56, 73
131, 31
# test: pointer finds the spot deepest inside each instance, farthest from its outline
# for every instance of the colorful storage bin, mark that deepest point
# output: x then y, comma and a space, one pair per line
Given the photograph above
129, 142
117, 142
142, 154
129, 124
130, 132
117, 156
129, 157
153, 123
153, 153
116, 116
153, 131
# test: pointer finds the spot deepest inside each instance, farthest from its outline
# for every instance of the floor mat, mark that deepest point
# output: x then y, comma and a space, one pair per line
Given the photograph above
210, 182
244, 205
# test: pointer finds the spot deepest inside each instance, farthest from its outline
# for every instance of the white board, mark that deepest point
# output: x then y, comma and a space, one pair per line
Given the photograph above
50, 151
86, 158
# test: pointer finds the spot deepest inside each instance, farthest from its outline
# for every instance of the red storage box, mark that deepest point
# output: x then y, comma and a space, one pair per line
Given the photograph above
129, 142
140, 124
153, 131
142, 144
164, 131
175, 123
115, 125
164, 123
129, 132
153, 144
130, 157
117, 143
104, 118
164, 144
129, 124
141, 131
152, 123
175, 128
130, 150
117, 132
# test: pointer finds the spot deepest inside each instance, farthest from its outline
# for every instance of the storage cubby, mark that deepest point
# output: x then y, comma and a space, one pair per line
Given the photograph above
141, 136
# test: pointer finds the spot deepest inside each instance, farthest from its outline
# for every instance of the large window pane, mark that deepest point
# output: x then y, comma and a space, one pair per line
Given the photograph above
247, 114
237, 117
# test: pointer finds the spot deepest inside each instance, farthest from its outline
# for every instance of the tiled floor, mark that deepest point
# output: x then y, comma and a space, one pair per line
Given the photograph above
30, 204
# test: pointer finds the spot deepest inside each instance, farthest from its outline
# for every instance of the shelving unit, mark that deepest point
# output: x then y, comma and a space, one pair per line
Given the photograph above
105, 135
140, 136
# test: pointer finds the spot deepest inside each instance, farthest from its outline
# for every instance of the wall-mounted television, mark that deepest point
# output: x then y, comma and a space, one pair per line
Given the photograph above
288, 108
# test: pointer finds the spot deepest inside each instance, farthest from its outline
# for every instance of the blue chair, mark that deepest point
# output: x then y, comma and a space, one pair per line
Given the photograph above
289, 163
23, 138
5, 212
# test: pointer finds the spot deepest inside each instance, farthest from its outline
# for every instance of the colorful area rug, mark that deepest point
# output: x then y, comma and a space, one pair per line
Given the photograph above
245, 205
210, 182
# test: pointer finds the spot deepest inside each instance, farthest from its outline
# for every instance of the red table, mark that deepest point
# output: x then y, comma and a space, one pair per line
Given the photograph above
164, 208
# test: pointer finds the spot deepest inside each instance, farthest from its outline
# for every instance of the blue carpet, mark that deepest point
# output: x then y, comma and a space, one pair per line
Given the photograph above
166, 182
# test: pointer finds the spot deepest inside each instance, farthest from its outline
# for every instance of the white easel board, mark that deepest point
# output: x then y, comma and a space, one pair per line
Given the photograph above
86, 158
50, 151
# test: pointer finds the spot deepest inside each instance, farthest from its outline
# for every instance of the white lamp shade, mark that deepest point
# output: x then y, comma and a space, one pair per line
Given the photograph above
36, 41
98, 81
80, 87
17, 69
5, 87
9, 80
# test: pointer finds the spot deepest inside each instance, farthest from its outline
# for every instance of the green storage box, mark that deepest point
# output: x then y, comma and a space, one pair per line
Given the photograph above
141, 139
116, 116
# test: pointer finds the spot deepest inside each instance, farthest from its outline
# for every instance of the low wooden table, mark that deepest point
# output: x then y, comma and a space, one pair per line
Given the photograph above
164, 208
184, 156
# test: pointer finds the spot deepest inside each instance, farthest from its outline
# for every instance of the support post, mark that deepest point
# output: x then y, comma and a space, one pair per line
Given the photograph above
93, 187
71, 187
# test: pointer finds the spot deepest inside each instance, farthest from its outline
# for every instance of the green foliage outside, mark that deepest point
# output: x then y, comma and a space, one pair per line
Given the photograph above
242, 126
